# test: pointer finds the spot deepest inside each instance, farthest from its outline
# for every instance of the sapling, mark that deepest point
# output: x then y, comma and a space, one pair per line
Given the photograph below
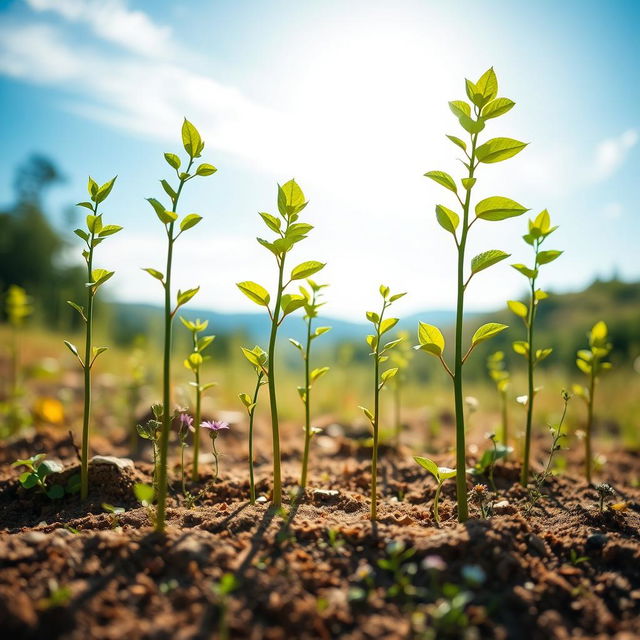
539, 229
94, 234
258, 359
289, 232
591, 362
440, 474
194, 364
193, 145
311, 306
381, 325
501, 377
400, 357
214, 427
484, 106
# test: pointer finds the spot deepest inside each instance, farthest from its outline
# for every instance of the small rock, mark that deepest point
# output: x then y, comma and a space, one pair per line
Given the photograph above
596, 542
261, 499
192, 547
33, 537
325, 494
501, 505
537, 544
121, 463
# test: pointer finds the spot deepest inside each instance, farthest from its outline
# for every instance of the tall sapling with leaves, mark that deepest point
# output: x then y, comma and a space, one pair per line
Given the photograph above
484, 106
311, 306
539, 229
592, 362
289, 232
94, 234
193, 145
381, 325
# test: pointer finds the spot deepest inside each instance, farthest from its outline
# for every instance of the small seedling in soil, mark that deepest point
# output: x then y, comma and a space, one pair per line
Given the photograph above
401, 358
604, 492
115, 512
591, 362
151, 431
214, 427
59, 596
193, 145
479, 495
488, 460
291, 202
194, 363
311, 306
258, 359
37, 476
222, 590
185, 428
441, 474
473, 117
95, 233
535, 492
145, 494
500, 375
402, 571
539, 230
381, 326
575, 559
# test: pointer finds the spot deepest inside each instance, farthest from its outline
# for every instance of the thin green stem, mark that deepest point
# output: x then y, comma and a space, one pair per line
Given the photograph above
215, 455
505, 420
252, 484
307, 406
587, 440
436, 504
195, 474
376, 421
396, 408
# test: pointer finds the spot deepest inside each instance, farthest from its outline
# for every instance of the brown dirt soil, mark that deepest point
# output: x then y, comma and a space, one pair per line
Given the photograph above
318, 568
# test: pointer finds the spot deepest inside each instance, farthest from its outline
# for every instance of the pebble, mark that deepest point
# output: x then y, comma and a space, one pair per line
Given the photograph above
596, 542
537, 544
34, 537
120, 463
261, 499
326, 493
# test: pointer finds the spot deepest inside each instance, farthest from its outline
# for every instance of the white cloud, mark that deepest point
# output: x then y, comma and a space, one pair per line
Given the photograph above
611, 154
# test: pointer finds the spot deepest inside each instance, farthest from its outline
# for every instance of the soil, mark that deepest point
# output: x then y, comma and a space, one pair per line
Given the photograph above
318, 568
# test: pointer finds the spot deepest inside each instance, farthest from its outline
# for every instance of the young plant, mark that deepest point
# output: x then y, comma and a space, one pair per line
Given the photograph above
214, 427
193, 145
94, 234
185, 427
38, 471
539, 229
381, 325
115, 512
591, 362
311, 306
535, 492
500, 375
487, 462
440, 474
604, 491
194, 363
258, 359
472, 117
289, 231
151, 431
400, 357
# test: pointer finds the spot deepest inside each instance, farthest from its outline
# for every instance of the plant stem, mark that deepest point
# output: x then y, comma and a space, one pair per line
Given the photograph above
587, 439
215, 455
307, 407
524, 476
396, 398
184, 489
195, 475
277, 481
252, 485
461, 479
84, 459
505, 422
376, 409
436, 503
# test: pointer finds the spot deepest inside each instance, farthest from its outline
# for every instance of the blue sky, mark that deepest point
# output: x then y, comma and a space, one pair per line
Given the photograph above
351, 99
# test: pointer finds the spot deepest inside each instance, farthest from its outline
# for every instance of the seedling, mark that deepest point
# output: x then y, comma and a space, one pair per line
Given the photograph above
539, 229
479, 495
381, 325
194, 364
214, 427
484, 105
441, 474
185, 428
591, 362
95, 233
222, 590
488, 459
289, 232
258, 359
59, 596
38, 470
145, 494
535, 492
604, 491
115, 512
576, 559
151, 431
193, 145
402, 571
400, 357
311, 306
501, 377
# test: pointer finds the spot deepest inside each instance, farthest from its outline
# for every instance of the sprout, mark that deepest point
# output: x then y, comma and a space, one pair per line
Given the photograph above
214, 427
440, 474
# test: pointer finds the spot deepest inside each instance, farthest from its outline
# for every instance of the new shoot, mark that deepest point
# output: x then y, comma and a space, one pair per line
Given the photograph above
440, 474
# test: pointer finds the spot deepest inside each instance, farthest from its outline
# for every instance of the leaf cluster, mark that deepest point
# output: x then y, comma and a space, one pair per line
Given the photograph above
37, 474
592, 361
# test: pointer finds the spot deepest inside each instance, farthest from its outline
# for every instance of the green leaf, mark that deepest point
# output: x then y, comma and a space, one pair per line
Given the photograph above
184, 296
541, 354
499, 208
290, 199
49, 467
86, 205
487, 259
72, 348
290, 303
296, 344
445, 473
191, 139
544, 257
384, 291
104, 190
372, 317
388, 324
156, 274
458, 142
189, 221
372, 341
498, 149
144, 493
431, 339
55, 492
82, 234
205, 170
255, 292
165, 216
442, 178
271, 221
78, 308
487, 85
92, 188
204, 342
487, 331
253, 357
98, 350
168, 189
448, 219
518, 308
28, 479
397, 296
468, 183
367, 413
94, 223
318, 373
306, 269
525, 271
497, 107
109, 230
246, 400
470, 125
429, 465
473, 93
459, 108
173, 160
388, 374
100, 276
320, 330
585, 367
521, 347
